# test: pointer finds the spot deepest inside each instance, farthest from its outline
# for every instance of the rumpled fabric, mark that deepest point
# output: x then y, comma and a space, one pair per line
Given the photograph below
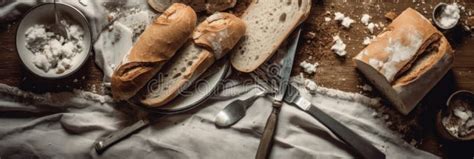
67, 124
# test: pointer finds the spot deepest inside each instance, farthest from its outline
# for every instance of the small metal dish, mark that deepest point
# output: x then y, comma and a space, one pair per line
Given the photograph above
437, 13
43, 14
442, 130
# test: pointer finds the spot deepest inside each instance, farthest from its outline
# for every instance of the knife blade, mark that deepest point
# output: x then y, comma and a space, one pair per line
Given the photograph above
264, 147
363, 147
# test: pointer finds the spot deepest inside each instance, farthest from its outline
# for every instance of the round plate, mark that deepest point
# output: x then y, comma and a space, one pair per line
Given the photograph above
207, 84
42, 14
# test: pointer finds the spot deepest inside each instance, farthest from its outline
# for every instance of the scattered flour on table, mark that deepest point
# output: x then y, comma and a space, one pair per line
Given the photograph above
366, 87
338, 16
371, 27
53, 52
365, 19
367, 41
308, 67
346, 21
312, 88
327, 19
339, 47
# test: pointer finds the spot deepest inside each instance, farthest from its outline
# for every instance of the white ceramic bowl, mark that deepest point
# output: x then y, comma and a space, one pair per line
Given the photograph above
44, 14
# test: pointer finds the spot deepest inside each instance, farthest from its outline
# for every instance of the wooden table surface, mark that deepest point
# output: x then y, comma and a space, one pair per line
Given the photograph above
333, 72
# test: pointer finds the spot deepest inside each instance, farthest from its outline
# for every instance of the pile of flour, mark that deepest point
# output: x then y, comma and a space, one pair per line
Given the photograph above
460, 122
51, 51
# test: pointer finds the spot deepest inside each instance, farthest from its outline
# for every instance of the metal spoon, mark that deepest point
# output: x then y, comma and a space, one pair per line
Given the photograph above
58, 27
236, 110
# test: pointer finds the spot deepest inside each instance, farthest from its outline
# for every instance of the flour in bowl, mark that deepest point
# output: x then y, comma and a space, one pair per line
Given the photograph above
450, 15
51, 51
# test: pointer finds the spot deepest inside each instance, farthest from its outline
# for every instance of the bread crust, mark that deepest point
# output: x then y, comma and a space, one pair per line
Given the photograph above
157, 44
414, 73
215, 36
206, 59
219, 33
409, 34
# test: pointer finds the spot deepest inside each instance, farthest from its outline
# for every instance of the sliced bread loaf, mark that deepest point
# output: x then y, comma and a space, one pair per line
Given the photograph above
156, 45
406, 60
187, 65
269, 23
212, 39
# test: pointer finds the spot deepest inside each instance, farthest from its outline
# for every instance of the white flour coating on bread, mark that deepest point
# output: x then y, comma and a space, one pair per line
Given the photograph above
400, 52
214, 17
375, 63
222, 34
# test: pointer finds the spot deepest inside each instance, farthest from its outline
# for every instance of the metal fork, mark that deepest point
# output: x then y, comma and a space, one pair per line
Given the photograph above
361, 146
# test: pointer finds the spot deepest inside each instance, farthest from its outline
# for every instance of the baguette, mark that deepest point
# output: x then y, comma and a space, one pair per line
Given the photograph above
269, 23
156, 45
406, 60
212, 39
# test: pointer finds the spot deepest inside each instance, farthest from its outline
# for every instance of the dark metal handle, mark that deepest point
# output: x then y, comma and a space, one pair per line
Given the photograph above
266, 142
103, 143
361, 145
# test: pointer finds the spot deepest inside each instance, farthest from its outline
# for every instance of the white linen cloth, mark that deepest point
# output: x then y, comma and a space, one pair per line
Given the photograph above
66, 125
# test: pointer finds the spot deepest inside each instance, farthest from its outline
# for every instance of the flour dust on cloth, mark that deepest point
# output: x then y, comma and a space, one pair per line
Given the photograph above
65, 125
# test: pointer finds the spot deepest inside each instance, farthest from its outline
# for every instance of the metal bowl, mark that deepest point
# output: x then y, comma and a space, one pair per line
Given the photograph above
44, 14
442, 130
437, 12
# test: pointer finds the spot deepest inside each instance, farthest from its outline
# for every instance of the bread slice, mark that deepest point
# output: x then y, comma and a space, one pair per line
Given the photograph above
156, 45
269, 23
219, 33
185, 67
212, 39
210, 6
407, 60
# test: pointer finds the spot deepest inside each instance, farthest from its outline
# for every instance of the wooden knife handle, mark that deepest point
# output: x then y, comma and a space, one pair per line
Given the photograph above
266, 142
103, 143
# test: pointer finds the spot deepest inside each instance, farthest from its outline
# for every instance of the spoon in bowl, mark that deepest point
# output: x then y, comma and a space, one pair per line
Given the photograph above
58, 27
